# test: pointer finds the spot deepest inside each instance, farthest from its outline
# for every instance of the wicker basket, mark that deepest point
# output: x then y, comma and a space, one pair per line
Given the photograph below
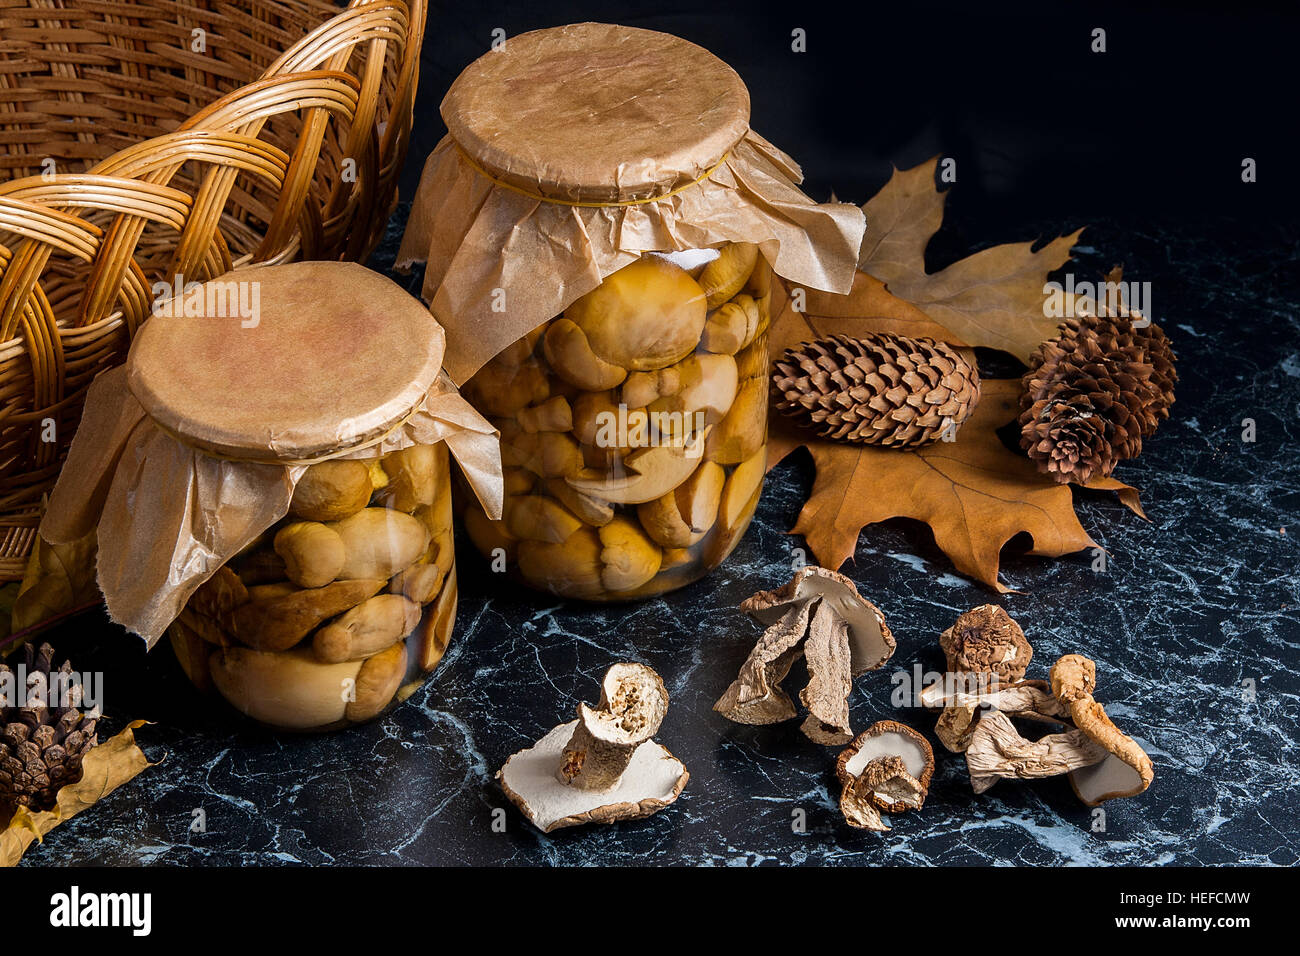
283, 126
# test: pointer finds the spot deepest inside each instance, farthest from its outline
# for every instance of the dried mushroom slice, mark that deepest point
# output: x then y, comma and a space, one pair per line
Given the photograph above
602, 767
886, 768
1125, 769
633, 701
859, 811
845, 636
1030, 699
890, 787
755, 696
998, 752
653, 779
829, 678
870, 640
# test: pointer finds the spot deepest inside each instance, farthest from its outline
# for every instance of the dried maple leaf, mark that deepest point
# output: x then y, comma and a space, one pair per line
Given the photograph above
974, 493
993, 298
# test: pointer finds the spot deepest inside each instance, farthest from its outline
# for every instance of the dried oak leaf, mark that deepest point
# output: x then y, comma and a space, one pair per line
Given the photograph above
104, 769
993, 298
974, 493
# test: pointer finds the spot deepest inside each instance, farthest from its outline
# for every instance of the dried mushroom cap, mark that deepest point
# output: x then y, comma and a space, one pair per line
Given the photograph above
887, 738
986, 640
870, 641
886, 768
820, 614
997, 752
653, 779
1126, 769
602, 767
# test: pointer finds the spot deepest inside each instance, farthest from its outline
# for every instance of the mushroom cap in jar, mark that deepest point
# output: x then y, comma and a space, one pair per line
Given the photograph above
646, 315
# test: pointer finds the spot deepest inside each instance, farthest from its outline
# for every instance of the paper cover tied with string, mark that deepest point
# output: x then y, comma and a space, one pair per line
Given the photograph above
269, 471
571, 152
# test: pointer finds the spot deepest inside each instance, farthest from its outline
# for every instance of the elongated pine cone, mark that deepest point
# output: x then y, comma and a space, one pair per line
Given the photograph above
1093, 393
881, 389
43, 736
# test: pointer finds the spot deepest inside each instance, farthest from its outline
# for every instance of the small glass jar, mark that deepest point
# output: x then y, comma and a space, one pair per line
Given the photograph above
339, 610
268, 480
633, 428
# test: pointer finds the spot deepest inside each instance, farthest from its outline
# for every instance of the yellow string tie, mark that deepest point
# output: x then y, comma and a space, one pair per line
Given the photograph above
585, 205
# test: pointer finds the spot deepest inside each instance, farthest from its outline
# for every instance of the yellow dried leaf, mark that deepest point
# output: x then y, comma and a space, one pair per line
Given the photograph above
58, 578
105, 768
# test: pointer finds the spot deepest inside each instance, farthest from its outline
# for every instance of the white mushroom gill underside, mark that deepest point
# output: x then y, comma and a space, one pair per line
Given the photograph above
890, 743
652, 774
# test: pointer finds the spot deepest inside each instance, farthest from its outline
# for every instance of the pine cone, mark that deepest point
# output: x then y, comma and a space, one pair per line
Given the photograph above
41, 746
881, 389
1093, 393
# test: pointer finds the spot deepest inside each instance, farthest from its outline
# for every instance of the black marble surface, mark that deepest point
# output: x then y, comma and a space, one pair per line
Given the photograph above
1195, 609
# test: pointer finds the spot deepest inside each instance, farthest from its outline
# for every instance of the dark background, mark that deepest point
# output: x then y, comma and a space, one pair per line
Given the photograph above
1143, 145
1039, 124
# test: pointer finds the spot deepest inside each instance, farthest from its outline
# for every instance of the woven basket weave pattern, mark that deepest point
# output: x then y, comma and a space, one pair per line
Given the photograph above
143, 141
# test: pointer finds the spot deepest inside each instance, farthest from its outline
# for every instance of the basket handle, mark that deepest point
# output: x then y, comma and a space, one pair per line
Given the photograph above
155, 162
246, 111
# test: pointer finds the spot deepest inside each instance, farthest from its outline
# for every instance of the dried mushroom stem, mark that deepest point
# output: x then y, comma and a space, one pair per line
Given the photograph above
998, 752
633, 702
1126, 770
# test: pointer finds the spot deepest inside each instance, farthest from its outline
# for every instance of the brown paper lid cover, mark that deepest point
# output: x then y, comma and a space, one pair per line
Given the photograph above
597, 112
335, 356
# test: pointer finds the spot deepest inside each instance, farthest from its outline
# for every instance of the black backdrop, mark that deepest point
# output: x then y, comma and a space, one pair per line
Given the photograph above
1040, 125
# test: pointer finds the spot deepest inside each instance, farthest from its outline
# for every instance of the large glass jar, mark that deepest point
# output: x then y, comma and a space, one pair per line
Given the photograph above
338, 611
633, 428
602, 230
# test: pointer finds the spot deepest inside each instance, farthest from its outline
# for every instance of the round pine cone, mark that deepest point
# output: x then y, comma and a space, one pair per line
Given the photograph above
880, 389
1093, 393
